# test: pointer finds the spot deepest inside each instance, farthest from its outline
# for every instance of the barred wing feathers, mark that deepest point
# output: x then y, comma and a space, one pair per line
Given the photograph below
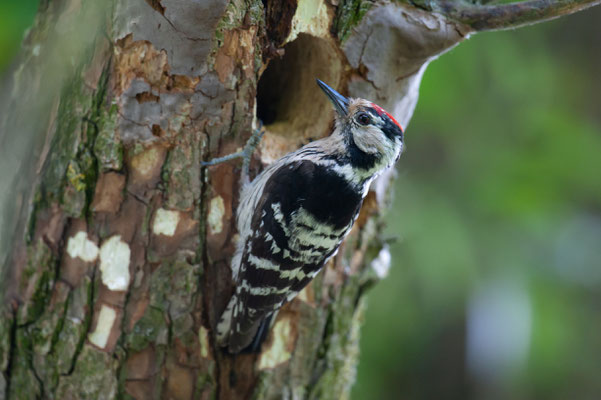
302, 214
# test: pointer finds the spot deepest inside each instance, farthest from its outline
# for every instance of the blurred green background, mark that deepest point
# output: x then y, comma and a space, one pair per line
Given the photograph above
495, 286
494, 290
15, 17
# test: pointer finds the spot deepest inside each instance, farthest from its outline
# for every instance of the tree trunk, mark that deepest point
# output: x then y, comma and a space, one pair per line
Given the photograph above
116, 243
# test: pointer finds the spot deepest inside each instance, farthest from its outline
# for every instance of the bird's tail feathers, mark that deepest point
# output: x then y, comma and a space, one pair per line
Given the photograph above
247, 338
224, 326
261, 335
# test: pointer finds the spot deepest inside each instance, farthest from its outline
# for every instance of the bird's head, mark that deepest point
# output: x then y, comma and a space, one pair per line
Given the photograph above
374, 139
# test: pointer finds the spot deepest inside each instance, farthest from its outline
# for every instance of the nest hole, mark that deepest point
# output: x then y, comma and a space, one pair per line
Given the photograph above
289, 102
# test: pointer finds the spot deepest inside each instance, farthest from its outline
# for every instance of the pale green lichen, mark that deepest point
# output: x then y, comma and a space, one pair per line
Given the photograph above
173, 287
79, 246
348, 15
76, 102
69, 173
115, 256
341, 339
165, 222
237, 13
75, 177
94, 377
38, 274
151, 328
181, 172
108, 148
44, 336
146, 161
311, 17
75, 325
216, 213
203, 340
280, 347
104, 325
23, 382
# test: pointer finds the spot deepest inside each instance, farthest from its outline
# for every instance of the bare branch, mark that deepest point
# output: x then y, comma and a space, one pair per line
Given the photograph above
506, 16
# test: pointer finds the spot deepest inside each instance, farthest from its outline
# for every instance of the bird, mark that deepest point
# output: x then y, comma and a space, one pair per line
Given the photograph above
293, 217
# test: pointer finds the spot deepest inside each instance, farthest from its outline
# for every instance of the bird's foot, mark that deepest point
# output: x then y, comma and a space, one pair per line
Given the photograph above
246, 154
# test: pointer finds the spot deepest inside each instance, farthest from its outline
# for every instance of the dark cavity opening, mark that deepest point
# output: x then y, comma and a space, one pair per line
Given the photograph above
289, 102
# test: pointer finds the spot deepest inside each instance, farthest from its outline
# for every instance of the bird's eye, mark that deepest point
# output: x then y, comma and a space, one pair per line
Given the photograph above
363, 119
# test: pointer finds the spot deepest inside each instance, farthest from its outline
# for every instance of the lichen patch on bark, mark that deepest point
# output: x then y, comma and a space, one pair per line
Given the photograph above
79, 246
238, 50
145, 168
381, 264
165, 222
313, 17
203, 340
104, 325
281, 344
216, 213
114, 263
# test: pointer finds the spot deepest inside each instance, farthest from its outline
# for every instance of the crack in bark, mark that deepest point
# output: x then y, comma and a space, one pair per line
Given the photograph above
37, 377
204, 200
140, 124
182, 33
122, 360
87, 322
138, 198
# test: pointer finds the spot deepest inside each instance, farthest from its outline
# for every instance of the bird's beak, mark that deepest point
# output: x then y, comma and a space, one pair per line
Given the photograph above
340, 102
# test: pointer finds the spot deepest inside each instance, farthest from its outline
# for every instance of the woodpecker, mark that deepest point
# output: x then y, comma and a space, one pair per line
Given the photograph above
294, 215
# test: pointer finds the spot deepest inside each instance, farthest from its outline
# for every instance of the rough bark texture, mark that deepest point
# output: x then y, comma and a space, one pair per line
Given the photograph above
116, 243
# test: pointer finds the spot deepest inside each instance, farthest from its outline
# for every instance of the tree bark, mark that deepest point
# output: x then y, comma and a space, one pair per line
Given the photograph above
116, 243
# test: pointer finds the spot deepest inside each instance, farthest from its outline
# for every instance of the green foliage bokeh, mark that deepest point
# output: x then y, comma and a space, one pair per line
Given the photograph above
15, 17
499, 188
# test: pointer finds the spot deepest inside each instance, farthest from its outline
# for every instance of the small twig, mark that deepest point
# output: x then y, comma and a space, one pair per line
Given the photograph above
507, 16
246, 154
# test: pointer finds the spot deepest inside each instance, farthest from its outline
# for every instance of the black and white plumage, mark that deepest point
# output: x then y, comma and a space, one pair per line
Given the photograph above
293, 217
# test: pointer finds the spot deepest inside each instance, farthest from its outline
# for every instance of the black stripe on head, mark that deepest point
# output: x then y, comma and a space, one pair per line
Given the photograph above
357, 157
390, 128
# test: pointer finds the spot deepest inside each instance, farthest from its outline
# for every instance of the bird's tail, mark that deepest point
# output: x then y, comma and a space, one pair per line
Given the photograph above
260, 336
238, 332
224, 325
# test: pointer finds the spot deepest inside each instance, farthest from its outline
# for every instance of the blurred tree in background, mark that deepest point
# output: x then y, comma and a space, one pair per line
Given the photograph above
496, 274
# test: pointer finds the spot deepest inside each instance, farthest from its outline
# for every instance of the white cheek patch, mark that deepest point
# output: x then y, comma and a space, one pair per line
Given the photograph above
372, 140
